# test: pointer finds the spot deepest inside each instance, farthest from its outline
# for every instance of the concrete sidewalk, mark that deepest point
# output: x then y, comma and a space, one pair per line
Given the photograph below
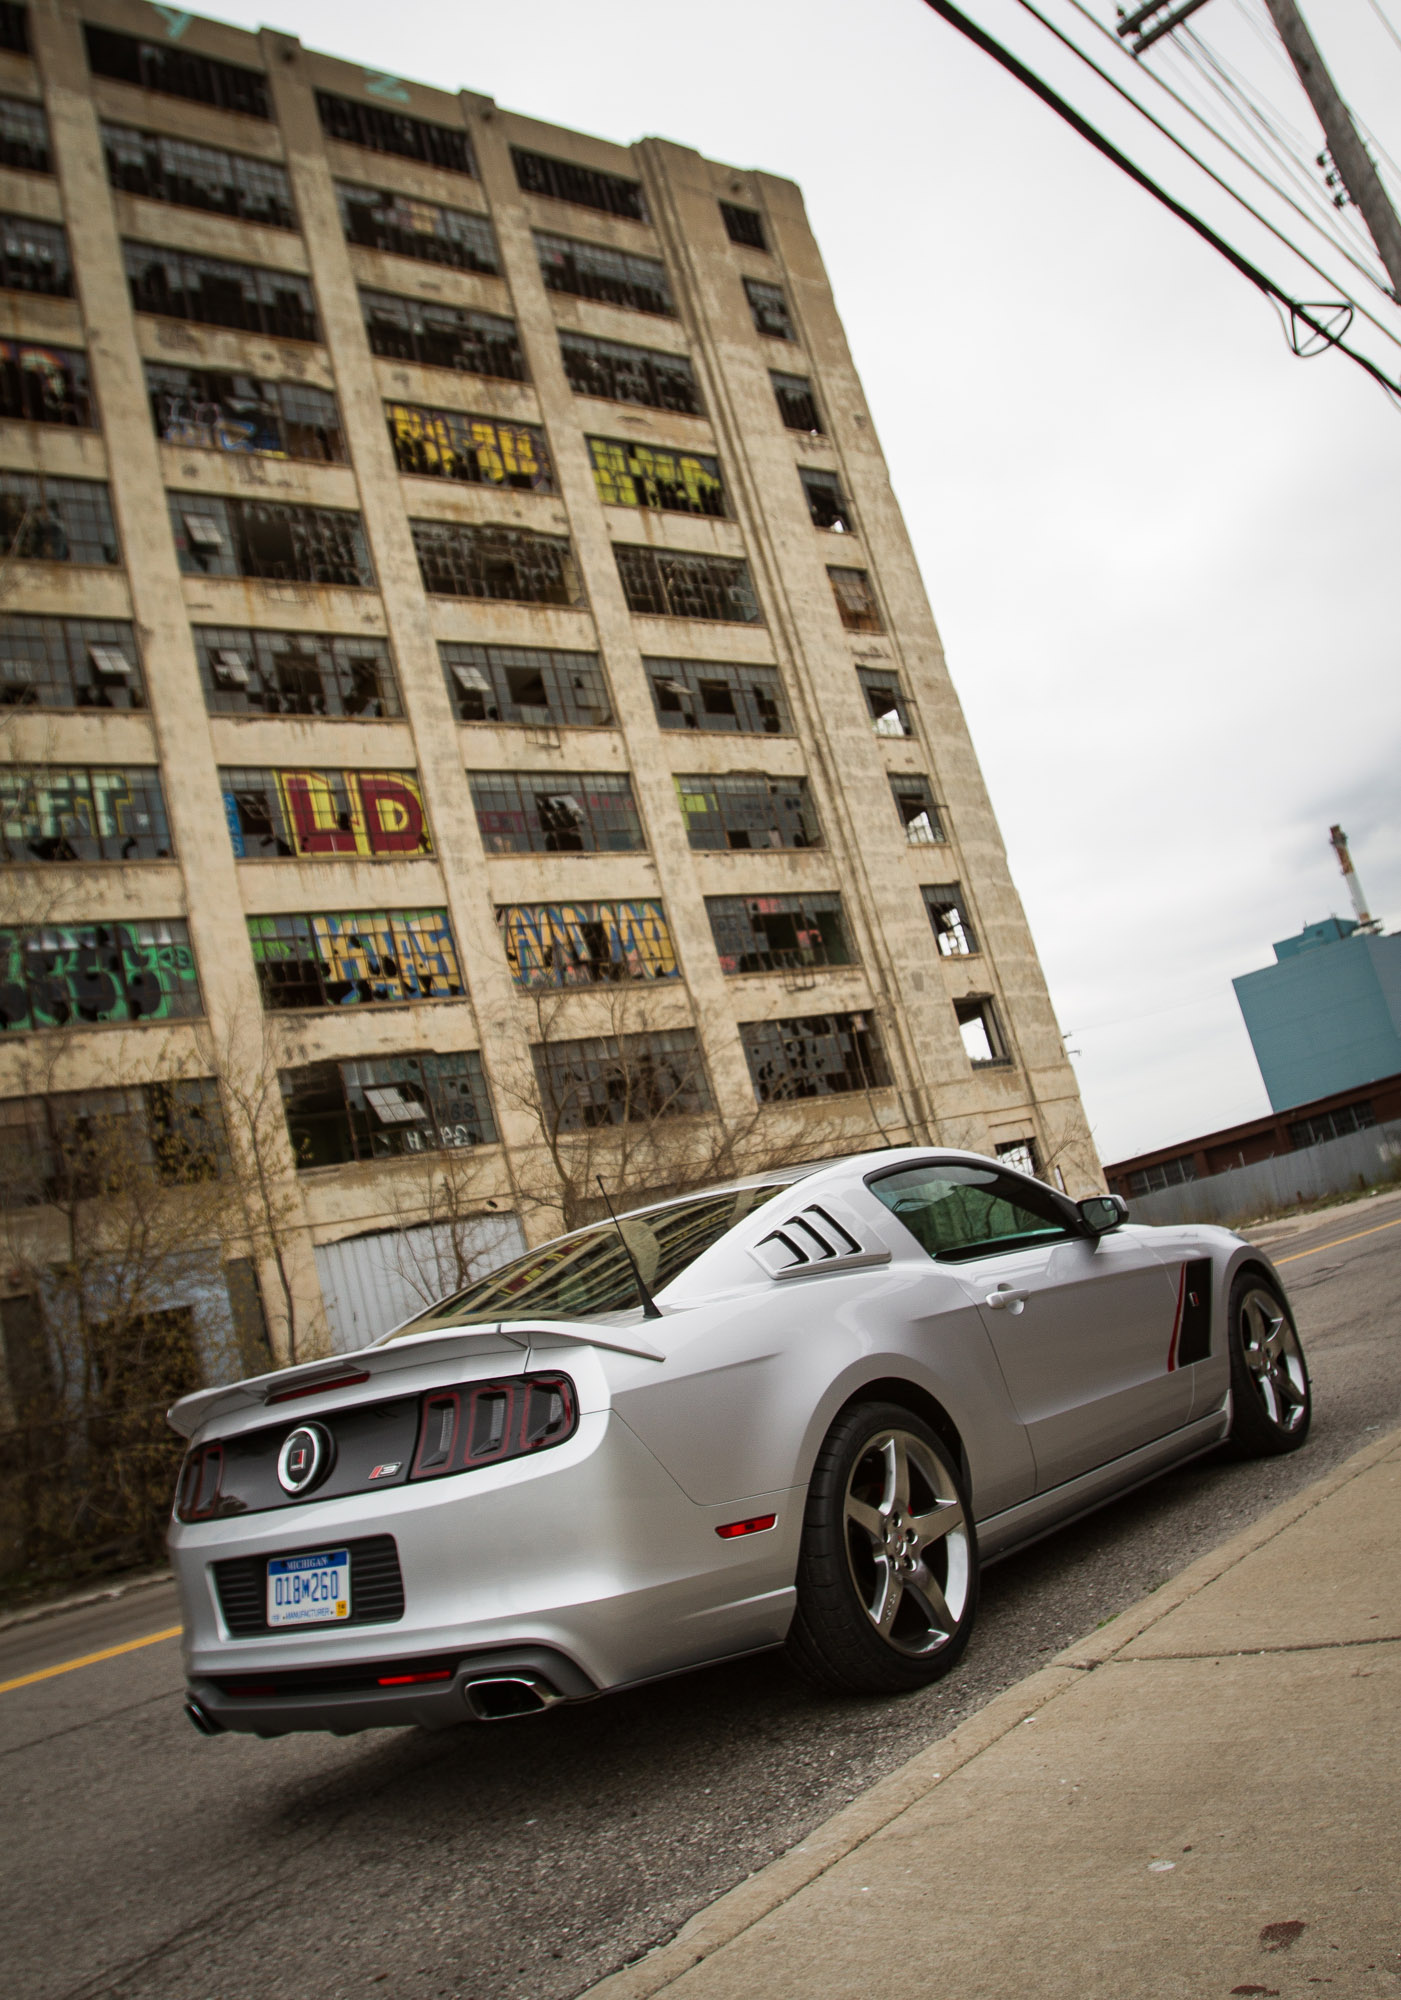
1203, 1798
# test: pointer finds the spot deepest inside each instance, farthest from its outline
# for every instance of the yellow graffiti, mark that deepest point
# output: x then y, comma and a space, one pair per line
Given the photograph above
445, 445
577, 944
640, 475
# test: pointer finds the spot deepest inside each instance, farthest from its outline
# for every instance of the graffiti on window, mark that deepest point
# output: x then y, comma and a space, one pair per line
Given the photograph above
53, 975
442, 444
355, 958
57, 813
214, 411
642, 475
45, 385
586, 944
324, 813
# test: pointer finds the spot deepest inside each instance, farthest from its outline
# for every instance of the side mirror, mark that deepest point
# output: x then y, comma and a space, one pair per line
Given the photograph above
1102, 1212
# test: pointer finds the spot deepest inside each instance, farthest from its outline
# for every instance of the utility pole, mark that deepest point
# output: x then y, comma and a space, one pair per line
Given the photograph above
1353, 163
1350, 155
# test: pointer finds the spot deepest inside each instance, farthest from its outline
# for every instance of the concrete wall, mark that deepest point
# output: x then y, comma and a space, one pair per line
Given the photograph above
1359, 1160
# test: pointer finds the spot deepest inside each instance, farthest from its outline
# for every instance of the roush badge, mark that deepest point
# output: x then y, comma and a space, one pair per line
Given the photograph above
304, 1458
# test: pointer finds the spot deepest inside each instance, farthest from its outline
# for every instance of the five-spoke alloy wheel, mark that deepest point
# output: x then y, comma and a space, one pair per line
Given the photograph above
888, 1575
1271, 1402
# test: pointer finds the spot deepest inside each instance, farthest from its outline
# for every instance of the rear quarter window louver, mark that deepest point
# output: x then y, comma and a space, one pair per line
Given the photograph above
813, 1240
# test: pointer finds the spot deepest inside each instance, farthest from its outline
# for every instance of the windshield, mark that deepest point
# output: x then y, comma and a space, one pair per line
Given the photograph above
587, 1274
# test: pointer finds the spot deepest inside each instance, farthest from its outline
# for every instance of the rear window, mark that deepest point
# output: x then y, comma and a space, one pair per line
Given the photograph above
587, 1274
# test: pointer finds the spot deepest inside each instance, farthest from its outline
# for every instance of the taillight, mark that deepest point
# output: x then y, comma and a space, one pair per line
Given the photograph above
197, 1496
483, 1423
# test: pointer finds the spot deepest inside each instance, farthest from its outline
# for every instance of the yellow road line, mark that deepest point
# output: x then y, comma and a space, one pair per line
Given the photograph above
1376, 1230
90, 1659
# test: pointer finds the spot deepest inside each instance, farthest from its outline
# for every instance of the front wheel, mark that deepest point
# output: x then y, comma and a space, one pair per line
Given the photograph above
1271, 1401
888, 1570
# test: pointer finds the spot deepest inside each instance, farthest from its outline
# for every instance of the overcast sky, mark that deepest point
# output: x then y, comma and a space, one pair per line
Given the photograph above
1161, 550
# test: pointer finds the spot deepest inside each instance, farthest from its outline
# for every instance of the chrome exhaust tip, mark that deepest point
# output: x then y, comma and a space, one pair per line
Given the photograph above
203, 1721
499, 1697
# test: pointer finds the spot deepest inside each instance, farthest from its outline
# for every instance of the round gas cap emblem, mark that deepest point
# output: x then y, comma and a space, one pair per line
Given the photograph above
305, 1455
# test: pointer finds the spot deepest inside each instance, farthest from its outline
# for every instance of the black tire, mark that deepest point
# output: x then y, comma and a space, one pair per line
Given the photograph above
1271, 1401
925, 1584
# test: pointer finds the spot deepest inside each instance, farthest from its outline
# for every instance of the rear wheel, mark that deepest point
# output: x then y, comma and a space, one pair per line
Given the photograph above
1271, 1401
888, 1571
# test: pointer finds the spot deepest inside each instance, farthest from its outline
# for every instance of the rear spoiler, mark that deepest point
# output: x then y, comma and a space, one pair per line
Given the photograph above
310, 1378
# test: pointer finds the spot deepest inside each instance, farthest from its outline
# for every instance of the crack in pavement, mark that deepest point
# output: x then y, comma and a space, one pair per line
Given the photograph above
1252, 1652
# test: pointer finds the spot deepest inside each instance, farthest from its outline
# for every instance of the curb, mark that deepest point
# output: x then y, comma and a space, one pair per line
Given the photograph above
753, 1899
57, 1604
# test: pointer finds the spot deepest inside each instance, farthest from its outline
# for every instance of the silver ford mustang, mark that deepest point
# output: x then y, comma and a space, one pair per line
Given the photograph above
796, 1410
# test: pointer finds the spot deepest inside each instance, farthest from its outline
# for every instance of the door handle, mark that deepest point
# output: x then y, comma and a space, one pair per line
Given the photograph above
1007, 1296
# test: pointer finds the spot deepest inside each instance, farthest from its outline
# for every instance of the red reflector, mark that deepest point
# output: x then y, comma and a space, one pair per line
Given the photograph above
405, 1680
315, 1388
754, 1527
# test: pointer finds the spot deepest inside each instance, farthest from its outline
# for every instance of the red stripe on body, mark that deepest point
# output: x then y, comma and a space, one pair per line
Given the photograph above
1177, 1319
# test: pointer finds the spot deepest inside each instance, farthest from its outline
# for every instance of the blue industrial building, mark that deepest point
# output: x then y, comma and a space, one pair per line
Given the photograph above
1326, 1016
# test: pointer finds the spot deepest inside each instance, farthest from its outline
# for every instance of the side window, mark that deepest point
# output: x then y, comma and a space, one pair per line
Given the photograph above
955, 1212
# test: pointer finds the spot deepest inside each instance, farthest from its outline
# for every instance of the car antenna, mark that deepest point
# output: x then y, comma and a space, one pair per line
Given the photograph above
650, 1308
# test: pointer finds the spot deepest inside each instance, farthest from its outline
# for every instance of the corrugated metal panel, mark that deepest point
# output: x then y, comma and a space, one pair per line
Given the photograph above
371, 1283
1334, 1166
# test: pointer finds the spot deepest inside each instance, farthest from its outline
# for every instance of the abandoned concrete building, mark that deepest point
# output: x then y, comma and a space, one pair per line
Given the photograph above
463, 668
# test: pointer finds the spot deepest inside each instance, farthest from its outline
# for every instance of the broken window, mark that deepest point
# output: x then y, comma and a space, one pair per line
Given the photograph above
355, 958
264, 538
586, 187
1021, 1154
1163, 1174
982, 1037
56, 520
24, 135
644, 475
380, 130
74, 1144
770, 309
890, 716
744, 809
480, 451
405, 225
45, 385
1332, 1125
628, 1079
914, 801
586, 944
665, 583
620, 374
779, 933
615, 277
69, 663
797, 405
51, 812
526, 684
14, 28
827, 503
213, 291
556, 812
382, 1107
62, 974
215, 411
175, 71
294, 673
441, 336
34, 257
714, 696
948, 913
817, 1055
856, 600
357, 814
515, 565
743, 225
159, 168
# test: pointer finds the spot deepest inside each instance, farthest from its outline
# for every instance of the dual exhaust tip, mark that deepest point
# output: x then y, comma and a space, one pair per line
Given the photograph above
493, 1698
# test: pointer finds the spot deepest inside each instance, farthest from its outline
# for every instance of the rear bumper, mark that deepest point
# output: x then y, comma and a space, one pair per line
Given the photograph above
430, 1693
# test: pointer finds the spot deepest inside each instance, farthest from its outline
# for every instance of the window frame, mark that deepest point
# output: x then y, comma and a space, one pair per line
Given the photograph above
1063, 1211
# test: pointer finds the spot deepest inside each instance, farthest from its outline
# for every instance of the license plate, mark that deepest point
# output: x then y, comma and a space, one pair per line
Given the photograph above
309, 1590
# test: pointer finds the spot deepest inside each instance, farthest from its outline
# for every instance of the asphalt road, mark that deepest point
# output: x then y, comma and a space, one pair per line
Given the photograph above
530, 1858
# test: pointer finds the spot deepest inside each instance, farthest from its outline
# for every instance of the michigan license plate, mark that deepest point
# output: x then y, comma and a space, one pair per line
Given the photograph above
309, 1590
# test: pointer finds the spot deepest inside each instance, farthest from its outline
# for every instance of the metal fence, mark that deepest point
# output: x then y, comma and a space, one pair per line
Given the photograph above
1336, 1166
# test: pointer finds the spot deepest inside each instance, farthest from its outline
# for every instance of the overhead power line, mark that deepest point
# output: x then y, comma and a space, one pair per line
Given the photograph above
1376, 9
1325, 332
